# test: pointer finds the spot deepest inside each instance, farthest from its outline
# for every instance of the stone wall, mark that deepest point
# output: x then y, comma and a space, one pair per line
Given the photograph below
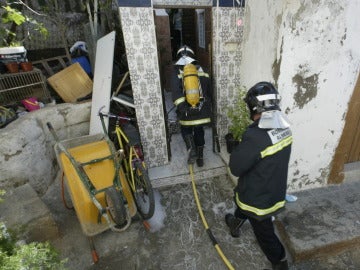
26, 145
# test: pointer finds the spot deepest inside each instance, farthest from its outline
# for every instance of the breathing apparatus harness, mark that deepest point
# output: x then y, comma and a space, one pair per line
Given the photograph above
191, 86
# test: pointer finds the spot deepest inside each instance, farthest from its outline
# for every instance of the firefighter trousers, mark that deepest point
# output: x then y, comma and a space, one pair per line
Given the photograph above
265, 234
196, 131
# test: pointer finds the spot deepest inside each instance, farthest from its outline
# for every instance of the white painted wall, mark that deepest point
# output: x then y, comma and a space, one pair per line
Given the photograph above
260, 38
315, 48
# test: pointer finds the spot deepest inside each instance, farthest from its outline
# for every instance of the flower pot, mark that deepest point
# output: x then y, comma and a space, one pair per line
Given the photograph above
3, 68
231, 142
12, 67
26, 66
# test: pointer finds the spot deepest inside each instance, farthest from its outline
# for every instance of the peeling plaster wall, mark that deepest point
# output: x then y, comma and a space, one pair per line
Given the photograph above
314, 50
259, 49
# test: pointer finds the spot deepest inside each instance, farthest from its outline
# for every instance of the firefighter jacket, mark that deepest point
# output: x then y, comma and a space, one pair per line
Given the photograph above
201, 115
261, 163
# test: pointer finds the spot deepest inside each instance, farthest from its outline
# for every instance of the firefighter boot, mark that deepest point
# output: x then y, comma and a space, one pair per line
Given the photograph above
282, 265
234, 224
200, 156
190, 146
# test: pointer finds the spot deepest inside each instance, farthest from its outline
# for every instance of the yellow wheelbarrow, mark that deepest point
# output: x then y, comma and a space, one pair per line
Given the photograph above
96, 183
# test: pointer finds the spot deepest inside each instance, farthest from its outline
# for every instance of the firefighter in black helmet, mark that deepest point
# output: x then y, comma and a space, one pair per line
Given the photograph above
261, 163
192, 118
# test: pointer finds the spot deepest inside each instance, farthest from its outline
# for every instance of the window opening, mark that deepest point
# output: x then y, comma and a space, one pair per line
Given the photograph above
201, 27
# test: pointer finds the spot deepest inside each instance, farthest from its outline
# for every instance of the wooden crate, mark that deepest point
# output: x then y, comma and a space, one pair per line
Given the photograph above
71, 83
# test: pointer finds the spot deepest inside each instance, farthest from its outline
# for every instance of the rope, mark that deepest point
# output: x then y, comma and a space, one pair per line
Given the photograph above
212, 237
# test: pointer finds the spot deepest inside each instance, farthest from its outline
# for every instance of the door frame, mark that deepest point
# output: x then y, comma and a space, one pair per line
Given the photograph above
349, 140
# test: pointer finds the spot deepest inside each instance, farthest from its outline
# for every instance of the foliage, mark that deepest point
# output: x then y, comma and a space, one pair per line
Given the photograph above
7, 244
239, 115
11, 18
34, 256
39, 256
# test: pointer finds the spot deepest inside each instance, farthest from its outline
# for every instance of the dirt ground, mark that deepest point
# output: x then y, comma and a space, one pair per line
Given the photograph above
177, 239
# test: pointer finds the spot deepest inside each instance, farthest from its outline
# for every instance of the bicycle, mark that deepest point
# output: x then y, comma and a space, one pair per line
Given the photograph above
127, 141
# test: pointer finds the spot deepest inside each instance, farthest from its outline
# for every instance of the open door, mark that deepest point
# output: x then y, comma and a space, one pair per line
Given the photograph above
348, 150
196, 33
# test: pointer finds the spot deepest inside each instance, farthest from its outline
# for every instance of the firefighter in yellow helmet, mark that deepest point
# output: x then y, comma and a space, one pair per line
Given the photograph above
191, 93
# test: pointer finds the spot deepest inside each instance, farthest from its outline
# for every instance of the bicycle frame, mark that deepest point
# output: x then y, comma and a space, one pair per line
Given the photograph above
130, 153
133, 164
124, 143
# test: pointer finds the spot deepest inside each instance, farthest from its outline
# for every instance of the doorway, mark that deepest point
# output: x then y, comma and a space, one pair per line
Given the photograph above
176, 27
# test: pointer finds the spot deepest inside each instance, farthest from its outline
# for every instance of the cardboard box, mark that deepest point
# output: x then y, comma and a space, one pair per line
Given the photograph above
13, 54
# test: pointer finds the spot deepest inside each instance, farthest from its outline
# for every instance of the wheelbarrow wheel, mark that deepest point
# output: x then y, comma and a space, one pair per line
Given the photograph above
144, 193
115, 205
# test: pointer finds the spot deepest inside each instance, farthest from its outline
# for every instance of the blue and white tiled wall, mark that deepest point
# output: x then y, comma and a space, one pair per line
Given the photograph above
140, 42
137, 20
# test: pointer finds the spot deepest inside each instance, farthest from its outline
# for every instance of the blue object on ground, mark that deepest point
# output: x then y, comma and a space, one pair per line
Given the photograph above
290, 198
84, 63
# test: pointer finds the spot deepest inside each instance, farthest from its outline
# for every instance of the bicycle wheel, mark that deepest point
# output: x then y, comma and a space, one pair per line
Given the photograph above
115, 206
144, 193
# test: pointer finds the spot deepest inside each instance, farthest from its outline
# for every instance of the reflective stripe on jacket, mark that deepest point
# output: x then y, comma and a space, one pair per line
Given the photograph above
203, 115
261, 163
195, 122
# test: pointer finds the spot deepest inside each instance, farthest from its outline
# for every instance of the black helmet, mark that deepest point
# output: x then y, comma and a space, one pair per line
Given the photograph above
185, 51
262, 97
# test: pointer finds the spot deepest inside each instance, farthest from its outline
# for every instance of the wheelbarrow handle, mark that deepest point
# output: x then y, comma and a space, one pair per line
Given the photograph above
53, 133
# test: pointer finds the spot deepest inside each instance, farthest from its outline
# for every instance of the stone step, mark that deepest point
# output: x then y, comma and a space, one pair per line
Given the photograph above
25, 213
177, 170
322, 222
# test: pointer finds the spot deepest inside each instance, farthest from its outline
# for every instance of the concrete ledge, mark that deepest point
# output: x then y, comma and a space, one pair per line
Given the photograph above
185, 178
322, 222
177, 170
26, 214
352, 171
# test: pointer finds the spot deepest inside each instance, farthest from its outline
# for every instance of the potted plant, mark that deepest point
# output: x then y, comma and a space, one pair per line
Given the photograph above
238, 115
11, 19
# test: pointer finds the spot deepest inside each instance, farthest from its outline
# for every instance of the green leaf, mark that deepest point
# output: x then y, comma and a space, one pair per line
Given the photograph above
238, 115
12, 15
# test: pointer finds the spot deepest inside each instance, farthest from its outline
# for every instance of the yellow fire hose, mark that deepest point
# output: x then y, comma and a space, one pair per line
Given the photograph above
209, 232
